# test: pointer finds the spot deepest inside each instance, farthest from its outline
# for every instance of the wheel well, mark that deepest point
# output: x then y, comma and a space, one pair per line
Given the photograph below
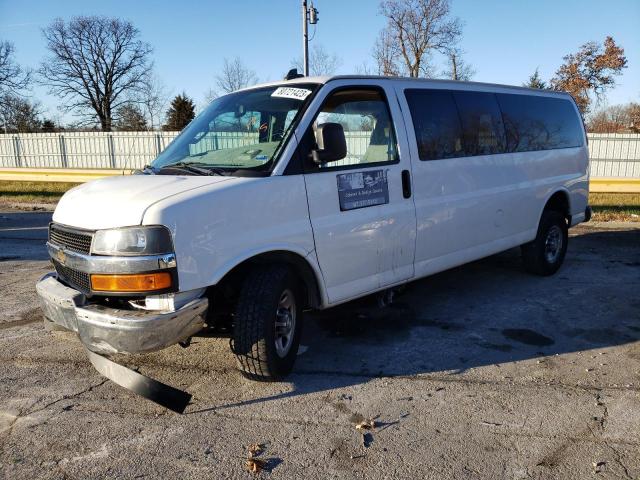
224, 294
559, 202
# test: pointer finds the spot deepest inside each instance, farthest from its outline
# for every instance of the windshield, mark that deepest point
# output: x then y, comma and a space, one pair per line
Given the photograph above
243, 130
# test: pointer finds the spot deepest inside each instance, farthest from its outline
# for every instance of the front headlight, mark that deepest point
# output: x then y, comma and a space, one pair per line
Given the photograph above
154, 240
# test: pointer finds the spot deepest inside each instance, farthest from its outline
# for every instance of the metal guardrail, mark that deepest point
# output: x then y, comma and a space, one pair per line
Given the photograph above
614, 185
57, 174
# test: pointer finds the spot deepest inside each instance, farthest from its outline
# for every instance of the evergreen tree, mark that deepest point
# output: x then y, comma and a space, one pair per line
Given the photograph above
180, 113
535, 81
48, 126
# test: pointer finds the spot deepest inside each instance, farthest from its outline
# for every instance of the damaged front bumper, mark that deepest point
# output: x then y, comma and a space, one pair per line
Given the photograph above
109, 330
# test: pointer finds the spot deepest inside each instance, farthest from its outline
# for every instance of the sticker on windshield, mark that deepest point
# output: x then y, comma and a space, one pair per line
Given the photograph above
362, 189
290, 92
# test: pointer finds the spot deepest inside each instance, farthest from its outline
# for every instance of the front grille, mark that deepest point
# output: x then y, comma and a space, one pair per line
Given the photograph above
70, 239
74, 278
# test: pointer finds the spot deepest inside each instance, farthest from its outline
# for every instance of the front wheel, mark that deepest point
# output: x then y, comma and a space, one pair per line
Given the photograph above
545, 254
268, 323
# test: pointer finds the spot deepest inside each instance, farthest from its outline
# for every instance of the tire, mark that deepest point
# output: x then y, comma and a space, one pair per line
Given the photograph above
544, 255
270, 297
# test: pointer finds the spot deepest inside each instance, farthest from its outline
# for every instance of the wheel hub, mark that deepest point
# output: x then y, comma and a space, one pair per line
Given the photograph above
553, 244
285, 323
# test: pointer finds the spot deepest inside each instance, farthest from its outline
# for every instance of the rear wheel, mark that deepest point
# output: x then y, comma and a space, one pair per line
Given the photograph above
268, 323
545, 254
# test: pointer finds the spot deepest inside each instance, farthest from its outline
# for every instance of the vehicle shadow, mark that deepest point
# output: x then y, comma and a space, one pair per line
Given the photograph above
484, 313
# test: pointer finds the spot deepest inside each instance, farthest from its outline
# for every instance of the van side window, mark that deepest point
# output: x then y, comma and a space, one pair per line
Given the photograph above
368, 128
482, 128
539, 123
436, 123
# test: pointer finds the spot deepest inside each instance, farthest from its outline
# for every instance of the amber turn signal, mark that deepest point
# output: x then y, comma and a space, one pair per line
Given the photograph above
145, 282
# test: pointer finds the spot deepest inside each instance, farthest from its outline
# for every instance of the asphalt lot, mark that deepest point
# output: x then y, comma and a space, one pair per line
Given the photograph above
479, 372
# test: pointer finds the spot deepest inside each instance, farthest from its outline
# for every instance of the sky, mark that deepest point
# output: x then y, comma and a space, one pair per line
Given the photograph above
504, 40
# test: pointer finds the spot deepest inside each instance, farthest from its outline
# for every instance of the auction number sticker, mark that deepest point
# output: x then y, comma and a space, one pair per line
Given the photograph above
291, 92
362, 189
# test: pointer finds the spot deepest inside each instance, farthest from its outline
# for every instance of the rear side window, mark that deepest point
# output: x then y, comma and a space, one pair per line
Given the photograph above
482, 128
539, 123
436, 123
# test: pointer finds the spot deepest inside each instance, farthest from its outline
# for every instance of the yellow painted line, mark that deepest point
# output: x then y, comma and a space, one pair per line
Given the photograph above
57, 175
614, 185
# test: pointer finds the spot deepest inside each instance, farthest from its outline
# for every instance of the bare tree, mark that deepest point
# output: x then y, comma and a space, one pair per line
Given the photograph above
96, 64
130, 118
615, 119
385, 54
13, 78
321, 62
19, 115
365, 69
590, 71
235, 75
154, 99
458, 68
209, 96
415, 30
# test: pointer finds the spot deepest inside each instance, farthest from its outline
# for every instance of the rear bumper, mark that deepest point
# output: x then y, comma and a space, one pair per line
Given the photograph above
109, 330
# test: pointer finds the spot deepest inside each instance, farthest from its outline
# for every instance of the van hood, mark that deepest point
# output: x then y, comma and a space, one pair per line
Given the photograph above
121, 201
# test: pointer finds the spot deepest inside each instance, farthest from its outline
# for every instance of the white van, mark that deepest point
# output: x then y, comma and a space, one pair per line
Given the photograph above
308, 193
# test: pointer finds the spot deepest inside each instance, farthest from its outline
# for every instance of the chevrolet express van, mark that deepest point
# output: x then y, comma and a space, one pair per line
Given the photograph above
309, 193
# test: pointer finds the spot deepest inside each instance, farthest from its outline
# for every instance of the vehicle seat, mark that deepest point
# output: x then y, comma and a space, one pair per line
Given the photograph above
380, 148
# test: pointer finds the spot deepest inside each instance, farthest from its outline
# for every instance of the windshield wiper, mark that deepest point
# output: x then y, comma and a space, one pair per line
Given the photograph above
194, 167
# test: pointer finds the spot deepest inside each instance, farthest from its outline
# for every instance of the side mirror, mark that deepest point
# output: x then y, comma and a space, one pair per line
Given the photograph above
332, 144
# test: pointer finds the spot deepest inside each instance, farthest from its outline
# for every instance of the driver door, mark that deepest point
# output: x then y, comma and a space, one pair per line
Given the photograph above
361, 209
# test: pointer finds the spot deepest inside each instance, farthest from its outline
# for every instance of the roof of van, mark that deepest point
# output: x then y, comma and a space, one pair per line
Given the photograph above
424, 81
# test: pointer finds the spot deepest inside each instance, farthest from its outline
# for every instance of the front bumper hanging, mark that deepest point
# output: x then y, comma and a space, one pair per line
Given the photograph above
108, 330
105, 330
158, 392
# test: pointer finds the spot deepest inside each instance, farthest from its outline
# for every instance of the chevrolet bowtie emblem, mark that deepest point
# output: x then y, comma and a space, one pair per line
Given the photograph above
61, 256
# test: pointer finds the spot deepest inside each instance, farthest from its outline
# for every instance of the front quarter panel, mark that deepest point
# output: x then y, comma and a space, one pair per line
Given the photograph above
216, 229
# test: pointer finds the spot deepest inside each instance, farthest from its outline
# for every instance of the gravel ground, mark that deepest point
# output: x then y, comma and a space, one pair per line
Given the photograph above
479, 372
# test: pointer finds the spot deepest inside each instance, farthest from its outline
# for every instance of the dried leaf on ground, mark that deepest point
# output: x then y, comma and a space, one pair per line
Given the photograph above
256, 449
255, 465
366, 425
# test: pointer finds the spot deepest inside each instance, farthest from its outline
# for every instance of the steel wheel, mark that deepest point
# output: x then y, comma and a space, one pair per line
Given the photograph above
545, 254
285, 323
553, 244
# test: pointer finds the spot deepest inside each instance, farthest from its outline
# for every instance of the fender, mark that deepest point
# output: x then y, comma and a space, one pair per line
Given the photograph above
277, 248
551, 193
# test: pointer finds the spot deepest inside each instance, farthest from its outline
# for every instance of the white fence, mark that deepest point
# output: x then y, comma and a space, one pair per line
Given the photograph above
118, 150
612, 155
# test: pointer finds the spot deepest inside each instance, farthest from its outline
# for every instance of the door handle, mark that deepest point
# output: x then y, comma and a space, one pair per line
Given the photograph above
406, 184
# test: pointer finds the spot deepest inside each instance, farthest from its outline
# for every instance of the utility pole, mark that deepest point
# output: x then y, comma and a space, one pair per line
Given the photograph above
309, 16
